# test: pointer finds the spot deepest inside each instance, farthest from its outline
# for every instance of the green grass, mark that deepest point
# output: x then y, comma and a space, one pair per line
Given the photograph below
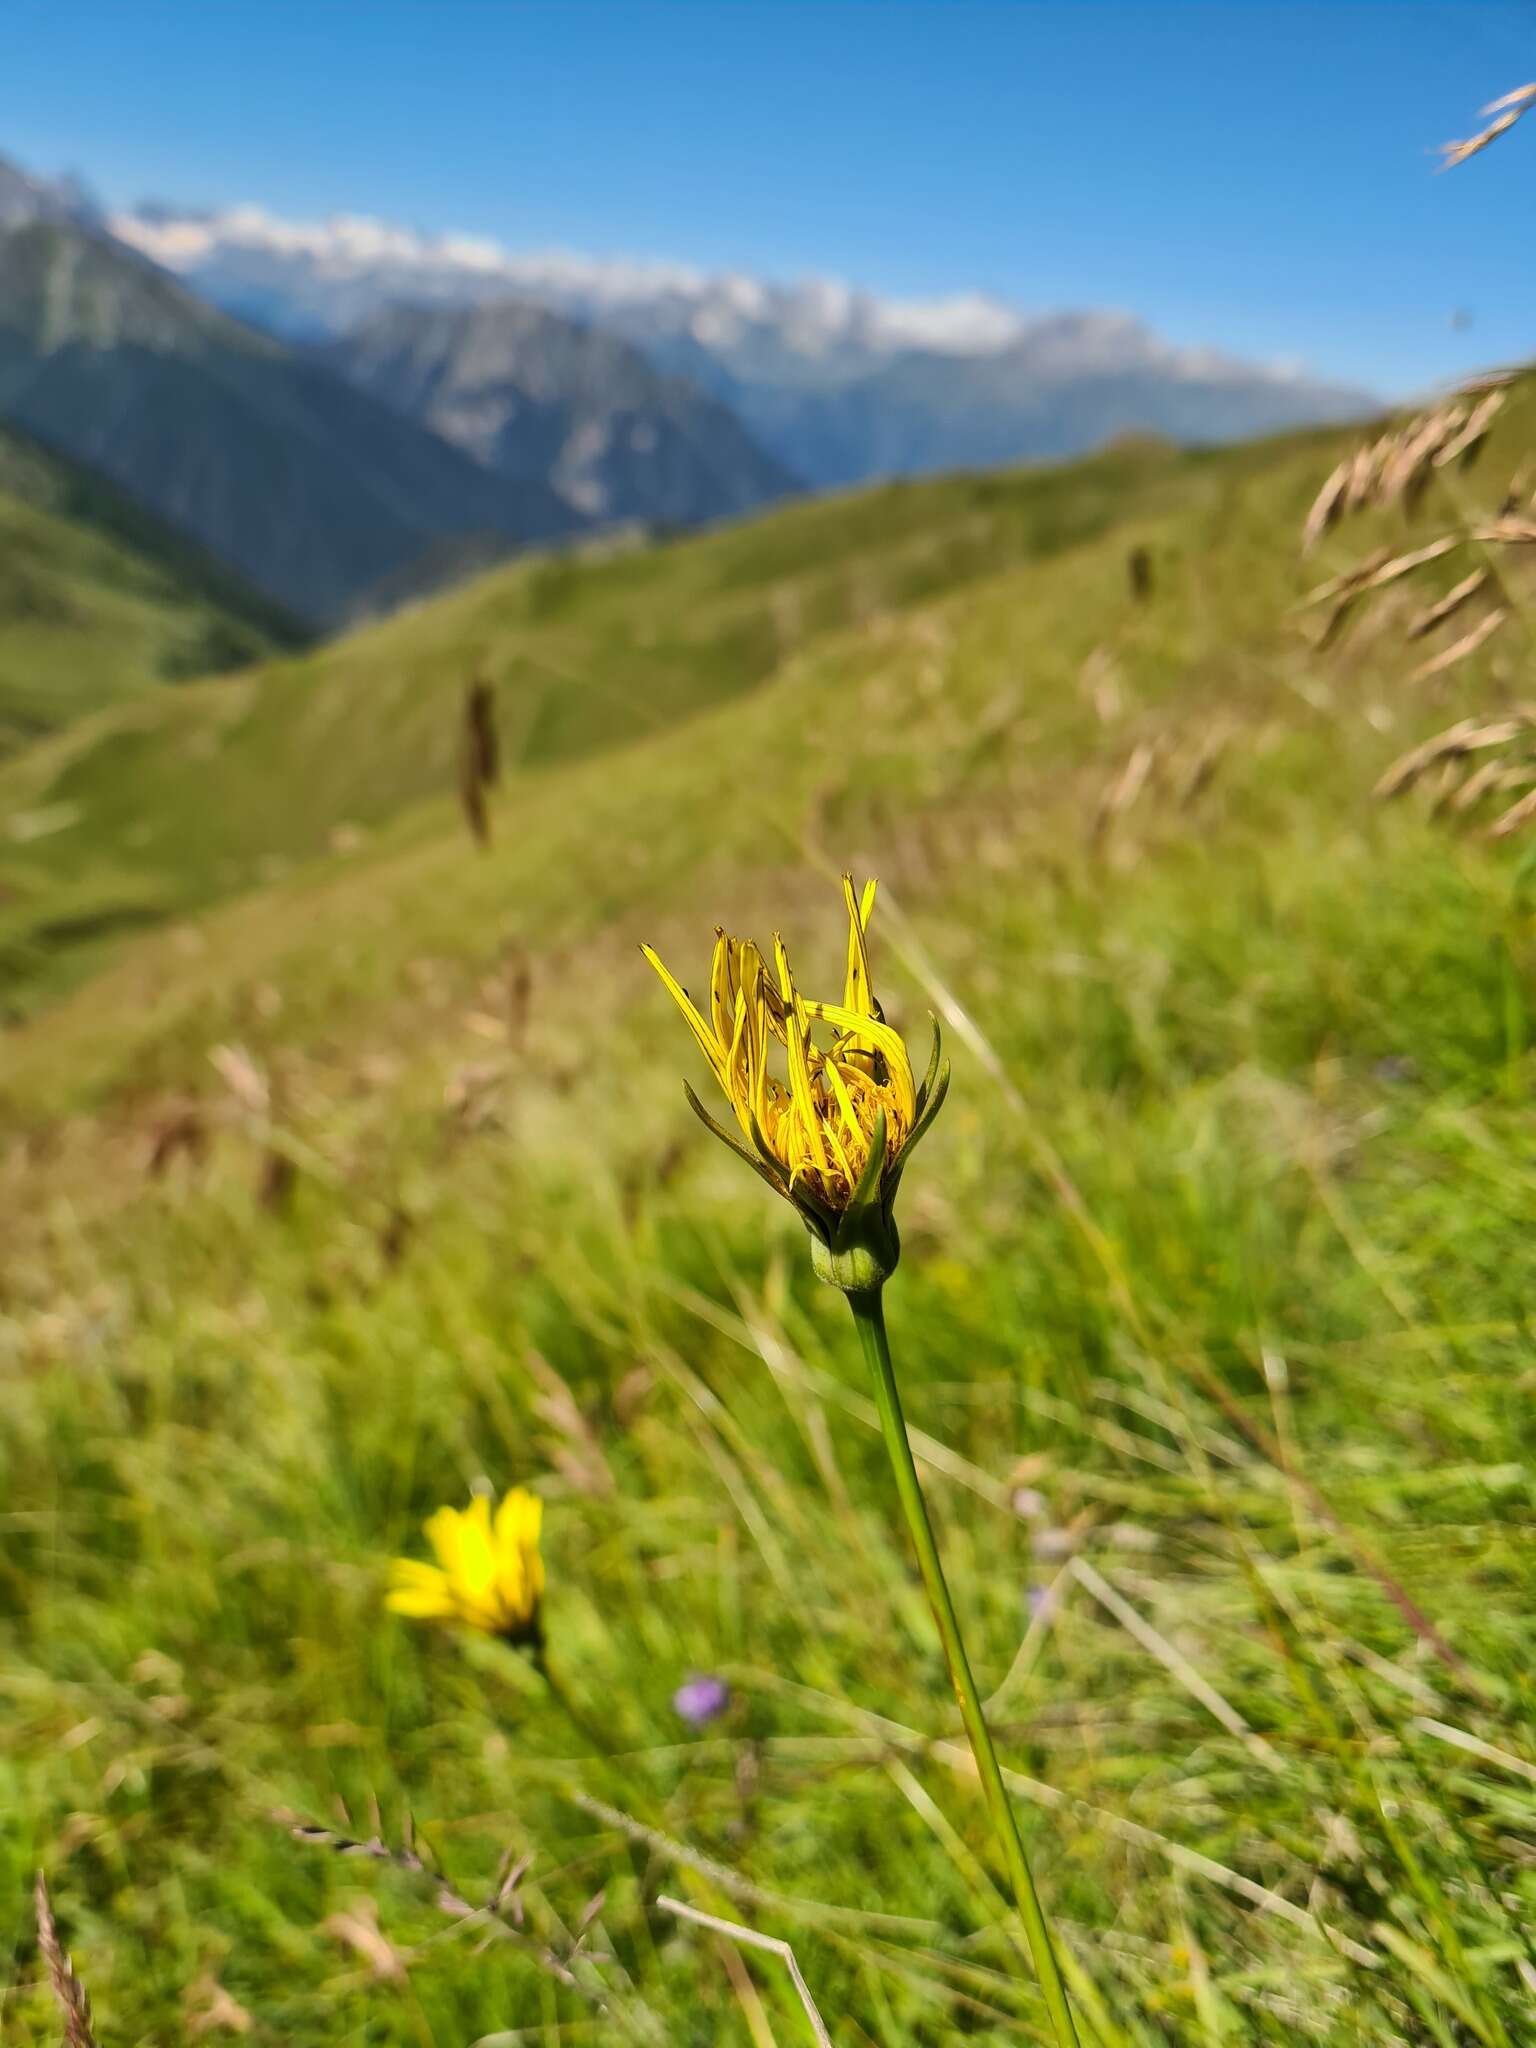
97, 601
1214, 1301
166, 802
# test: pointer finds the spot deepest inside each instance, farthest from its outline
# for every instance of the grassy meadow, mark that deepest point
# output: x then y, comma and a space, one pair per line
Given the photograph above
97, 599
170, 801
363, 1175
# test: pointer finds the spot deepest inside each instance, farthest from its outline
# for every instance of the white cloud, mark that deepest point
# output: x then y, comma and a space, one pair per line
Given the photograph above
816, 312
337, 269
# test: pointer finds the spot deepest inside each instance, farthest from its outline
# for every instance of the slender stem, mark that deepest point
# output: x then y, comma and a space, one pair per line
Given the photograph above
869, 1315
600, 1741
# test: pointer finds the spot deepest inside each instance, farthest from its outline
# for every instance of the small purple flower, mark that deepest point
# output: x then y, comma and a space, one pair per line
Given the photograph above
701, 1700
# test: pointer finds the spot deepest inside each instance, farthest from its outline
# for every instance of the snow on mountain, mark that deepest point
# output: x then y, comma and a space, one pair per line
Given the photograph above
332, 267
837, 383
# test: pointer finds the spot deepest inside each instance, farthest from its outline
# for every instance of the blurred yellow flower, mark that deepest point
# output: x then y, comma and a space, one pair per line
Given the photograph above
828, 1128
489, 1574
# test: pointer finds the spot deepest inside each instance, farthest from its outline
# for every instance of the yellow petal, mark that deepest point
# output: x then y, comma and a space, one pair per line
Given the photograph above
888, 1043
801, 1094
463, 1546
844, 1101
442, 1532
839, 1154
738, 1066
757, 1055
720, 1002
520, 1570
858, 989
419, 1590
477, 1555
410, 1571
708, 1043
519, 1519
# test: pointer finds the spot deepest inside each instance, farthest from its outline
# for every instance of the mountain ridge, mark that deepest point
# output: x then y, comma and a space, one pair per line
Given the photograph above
529, 393
839, 385
300, 483
340, 477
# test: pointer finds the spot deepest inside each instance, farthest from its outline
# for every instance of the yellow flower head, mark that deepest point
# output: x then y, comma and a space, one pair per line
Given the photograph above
828, 1126
489, 1574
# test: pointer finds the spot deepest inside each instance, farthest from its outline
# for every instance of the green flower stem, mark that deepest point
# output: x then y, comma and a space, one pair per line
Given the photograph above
869, 1315
598, 1740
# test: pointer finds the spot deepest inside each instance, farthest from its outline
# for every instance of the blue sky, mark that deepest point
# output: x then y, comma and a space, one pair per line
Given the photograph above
1258, 176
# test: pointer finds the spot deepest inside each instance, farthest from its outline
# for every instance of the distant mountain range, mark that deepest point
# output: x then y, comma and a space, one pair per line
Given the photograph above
348, 415
837, 385
344, 478
533, 396
305, 486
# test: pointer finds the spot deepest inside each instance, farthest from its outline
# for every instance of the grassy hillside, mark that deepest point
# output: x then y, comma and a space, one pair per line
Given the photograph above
375, 1179
167, 803
97, 600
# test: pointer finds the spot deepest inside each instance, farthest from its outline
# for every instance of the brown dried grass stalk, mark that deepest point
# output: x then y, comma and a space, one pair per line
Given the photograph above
500, 1915
1407, 467
479, 759
1327, 507
70, 1993
1508, 110
1437, 766
1452, 602
1122, 790
1488, 777
1379, 569
1374, 573
1346, 580
1517, 815
1461, 447
1467, 736
1469, 643
1397, 466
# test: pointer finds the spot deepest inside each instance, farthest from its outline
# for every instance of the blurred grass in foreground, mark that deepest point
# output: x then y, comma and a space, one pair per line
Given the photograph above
1214, 1314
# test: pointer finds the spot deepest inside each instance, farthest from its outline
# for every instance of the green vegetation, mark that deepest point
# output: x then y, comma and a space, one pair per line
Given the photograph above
170, 802
97, 600
374, 1179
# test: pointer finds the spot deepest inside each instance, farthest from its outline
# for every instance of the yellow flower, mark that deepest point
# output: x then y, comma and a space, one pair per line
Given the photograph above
829, 1127
489, 1574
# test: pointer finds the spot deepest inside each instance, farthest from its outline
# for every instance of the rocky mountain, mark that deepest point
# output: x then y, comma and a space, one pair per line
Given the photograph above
310, 490
837, 385
1062, 386
24, 198
534, 396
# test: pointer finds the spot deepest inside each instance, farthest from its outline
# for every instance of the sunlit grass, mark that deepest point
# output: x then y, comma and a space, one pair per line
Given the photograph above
1213, 1313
